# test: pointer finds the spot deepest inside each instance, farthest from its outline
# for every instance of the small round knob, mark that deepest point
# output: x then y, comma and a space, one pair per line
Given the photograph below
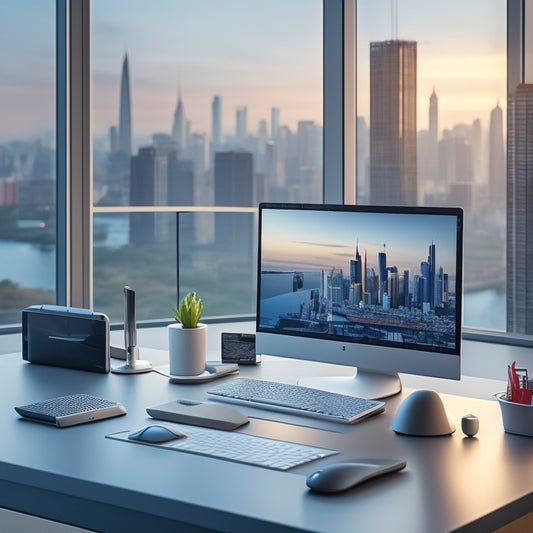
470, 425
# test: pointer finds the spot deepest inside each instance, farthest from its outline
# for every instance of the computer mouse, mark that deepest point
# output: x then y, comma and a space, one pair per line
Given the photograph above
337, 477
156, 434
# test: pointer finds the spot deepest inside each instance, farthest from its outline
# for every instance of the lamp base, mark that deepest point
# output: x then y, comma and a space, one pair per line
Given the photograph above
139, 367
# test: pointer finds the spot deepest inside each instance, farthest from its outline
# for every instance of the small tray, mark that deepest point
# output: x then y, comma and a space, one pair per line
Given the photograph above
213, 370
517, 417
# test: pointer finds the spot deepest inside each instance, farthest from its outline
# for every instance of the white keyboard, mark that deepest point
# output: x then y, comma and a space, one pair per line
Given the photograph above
240, 447
296, 400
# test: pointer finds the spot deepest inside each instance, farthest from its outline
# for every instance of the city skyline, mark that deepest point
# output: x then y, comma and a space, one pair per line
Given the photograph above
468, 84
311, 240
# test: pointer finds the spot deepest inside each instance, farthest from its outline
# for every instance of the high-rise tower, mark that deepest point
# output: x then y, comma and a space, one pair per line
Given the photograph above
124, 124
393, 164
274, 123
520, 210
433, 118
216, 121
496, 158
241, 131
356, 271
179, 124
234, 186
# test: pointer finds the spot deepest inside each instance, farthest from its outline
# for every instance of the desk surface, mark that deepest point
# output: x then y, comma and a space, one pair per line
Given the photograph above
77, 476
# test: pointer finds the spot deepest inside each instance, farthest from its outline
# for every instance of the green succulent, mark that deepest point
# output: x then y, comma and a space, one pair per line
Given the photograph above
189, 310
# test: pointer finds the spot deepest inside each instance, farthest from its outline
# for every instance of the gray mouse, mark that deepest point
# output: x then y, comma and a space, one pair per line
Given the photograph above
156, 434
337, 477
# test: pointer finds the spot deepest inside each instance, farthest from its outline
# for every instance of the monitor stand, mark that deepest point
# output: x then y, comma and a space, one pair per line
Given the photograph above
369, 384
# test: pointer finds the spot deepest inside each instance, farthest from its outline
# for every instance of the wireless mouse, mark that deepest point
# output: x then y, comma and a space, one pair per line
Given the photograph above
344, 475
156, 434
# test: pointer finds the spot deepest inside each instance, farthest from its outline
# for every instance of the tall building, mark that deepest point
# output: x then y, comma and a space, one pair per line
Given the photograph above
179, 126
234, 183
432, 274
430, 190
153, 174
433, 138
124, 124
234, 186
393, 153
274, 123
241, 131
382, 274
496, 158
433, 118
356, 271
262, 136
363, 147
216, 121
520, 210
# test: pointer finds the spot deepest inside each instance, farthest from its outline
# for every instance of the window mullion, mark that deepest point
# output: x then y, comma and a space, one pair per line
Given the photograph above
74, 155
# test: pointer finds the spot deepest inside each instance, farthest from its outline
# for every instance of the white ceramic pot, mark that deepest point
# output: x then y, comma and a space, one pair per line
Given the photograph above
187, 349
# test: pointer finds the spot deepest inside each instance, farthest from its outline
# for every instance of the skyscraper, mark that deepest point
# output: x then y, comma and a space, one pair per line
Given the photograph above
234, 183
520, 210
433, 138
216, 121
433, 118
432, 273
124, 124
179, 124
234, 186
356, 275
241, 131
393, 163
496, 158
274, 123
382, 274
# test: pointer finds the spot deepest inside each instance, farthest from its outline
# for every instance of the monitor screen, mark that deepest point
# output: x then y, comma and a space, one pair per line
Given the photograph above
378, 288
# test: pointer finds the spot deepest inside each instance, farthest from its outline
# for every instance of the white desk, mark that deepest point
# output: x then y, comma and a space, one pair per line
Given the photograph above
77, 476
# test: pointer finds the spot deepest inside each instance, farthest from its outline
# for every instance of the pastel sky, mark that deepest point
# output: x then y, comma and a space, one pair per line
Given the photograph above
254, 53
311, 240
461, 53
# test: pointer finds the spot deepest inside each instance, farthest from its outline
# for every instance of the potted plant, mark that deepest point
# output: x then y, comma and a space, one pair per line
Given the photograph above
187, 339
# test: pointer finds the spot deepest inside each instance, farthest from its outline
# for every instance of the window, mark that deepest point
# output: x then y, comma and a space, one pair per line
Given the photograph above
201, 111
431, 117
229, 92
27, 157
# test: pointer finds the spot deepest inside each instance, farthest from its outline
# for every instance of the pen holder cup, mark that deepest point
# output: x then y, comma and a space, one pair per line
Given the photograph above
517, 418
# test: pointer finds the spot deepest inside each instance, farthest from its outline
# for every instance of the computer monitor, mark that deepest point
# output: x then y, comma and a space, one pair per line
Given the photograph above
377, 288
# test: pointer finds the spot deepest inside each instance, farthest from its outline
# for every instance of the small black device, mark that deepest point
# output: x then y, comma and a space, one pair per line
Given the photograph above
68, 337
239, 348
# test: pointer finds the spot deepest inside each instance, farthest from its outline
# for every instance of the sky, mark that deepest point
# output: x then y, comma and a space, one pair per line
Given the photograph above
311, 240
254, 53
461, 54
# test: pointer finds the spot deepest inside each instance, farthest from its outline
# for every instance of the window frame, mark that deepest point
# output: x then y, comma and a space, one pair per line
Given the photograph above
74, 140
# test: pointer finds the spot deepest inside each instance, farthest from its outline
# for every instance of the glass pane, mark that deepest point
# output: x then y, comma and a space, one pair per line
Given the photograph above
122, 256
27, 156
431, 100
211, 104
223, 267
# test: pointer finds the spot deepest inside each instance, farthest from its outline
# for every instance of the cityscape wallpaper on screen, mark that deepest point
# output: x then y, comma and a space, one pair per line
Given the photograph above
369, 277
